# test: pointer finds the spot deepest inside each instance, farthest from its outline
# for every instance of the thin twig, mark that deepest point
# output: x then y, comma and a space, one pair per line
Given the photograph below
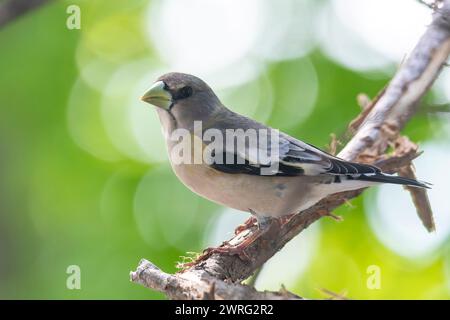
13, 9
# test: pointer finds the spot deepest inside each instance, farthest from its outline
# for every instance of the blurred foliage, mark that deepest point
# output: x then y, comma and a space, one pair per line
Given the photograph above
71, 196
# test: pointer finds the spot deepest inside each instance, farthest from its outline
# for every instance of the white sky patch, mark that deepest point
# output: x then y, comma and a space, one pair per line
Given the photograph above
391, 27
253, 99
442, 85
288, 265
341, 44
369, 35
241, 72
288, 29
393, 216
203, 36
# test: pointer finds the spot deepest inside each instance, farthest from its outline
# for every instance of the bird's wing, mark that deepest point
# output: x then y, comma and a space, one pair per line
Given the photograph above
288, 157
315, 161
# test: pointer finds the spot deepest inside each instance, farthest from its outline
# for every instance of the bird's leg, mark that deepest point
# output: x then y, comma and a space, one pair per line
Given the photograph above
264, 222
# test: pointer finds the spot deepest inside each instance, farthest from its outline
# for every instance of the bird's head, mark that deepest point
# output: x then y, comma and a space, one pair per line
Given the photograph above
185, 97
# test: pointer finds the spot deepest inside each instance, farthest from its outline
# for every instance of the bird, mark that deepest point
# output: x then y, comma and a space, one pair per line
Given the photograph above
269, 187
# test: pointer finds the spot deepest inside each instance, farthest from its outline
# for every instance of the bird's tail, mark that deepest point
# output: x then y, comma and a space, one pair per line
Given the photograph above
386, 178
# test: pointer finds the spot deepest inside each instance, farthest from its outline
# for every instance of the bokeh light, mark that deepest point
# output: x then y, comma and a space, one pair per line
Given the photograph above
85, 174
289, 263
203, 37
393, 216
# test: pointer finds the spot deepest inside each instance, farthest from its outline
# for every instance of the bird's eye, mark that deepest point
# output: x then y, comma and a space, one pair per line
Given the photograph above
184, 93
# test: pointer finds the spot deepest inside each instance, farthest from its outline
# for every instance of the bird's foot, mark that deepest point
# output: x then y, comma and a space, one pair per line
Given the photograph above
264, 226
260, 222
238, 250
248, 224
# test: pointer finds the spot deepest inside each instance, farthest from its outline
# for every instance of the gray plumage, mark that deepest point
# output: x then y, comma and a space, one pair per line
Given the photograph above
304, 174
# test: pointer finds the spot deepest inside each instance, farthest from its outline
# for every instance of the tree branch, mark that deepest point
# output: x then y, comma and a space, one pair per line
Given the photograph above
378, 127
395, 106
189, 286
12, 9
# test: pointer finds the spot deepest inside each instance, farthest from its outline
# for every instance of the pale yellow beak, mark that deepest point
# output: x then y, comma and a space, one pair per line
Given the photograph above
158, 96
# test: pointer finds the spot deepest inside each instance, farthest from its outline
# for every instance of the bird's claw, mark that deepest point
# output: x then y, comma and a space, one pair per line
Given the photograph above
249, 223
230, 250
241, 248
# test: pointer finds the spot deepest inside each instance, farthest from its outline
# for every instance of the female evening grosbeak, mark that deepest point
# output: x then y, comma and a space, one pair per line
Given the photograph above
281, 177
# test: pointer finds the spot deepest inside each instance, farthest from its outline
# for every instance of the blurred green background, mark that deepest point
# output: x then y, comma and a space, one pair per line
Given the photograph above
84, 178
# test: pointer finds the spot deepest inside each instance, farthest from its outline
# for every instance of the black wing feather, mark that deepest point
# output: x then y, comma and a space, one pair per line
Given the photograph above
295, 158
